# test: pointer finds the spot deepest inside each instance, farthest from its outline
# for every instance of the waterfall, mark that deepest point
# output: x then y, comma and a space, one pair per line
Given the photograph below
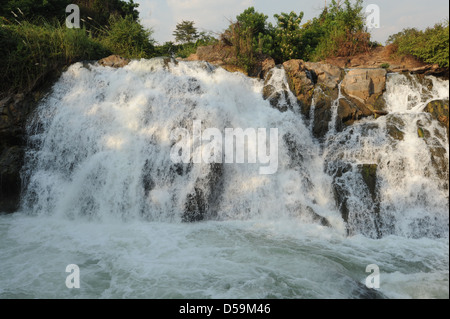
100, 149
102, 190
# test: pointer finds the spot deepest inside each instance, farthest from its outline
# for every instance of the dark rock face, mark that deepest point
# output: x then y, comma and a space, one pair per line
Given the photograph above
14, 111
322, 117
351, 111
366, 217
203, 199
11, 161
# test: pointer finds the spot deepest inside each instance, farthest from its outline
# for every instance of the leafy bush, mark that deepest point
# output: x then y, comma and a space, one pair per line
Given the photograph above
338, 31
128, 38
431, 45
288, 36
341, 31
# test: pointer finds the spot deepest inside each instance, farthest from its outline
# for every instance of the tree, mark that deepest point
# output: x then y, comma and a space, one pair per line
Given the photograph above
288, 35
186, 32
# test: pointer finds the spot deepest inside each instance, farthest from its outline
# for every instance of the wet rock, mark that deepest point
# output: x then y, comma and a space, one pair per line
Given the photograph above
340, 193
395, 127
359, 207
351, 111
278, 98
439, 110
11, 161
114, 61
203, 199
316, 218
300, 82
369, 175
322, 117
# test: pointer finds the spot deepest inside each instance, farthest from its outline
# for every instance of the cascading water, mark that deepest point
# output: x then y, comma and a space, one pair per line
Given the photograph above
102, 192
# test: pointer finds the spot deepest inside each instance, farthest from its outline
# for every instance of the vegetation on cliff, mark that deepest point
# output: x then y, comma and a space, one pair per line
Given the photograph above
430, 45
338, 31
34, 40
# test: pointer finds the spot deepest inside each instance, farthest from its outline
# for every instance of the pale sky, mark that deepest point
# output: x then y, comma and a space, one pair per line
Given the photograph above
214, 15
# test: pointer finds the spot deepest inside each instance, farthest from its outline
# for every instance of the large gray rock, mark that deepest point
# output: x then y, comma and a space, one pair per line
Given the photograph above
366, 86
326, 75
364, 83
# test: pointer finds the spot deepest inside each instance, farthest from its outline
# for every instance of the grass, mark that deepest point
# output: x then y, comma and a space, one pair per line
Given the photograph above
29, 51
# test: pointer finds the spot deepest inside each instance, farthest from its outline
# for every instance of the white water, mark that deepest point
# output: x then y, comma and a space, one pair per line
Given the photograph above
102, 137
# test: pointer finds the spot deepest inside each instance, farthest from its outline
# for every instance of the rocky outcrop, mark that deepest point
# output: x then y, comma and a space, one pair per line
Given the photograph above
114, 61
11, 161
317, 85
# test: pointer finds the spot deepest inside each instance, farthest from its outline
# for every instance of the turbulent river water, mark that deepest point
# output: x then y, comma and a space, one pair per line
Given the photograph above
102, 192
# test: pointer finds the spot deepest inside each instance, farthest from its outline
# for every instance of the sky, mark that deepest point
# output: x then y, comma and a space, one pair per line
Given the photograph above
214, 15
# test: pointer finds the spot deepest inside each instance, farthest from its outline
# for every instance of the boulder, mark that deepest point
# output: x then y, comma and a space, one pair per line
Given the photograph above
366, 86
350, 111
395, 127
325, 75
114, 61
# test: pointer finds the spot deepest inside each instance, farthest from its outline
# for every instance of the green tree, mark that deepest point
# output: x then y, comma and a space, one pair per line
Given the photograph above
186, 32
288, 35
129, 38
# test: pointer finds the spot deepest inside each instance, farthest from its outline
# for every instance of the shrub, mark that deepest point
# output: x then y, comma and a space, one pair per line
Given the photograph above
431, 45
128, 38
288, 36
341, 31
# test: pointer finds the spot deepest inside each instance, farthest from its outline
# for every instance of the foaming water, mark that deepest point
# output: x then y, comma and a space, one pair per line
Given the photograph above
101, 192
